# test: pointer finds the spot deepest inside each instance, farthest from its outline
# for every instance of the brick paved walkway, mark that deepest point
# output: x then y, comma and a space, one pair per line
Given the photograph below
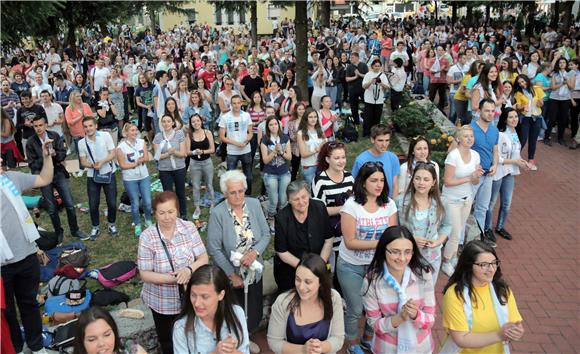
541, 262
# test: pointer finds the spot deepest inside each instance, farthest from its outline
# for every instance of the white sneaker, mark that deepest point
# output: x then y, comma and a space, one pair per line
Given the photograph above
254, 348
196, 213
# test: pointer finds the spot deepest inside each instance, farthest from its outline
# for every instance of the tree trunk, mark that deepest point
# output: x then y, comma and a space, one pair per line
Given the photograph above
567, 19
152, 20
469, 14
324, 8
487, 13
531, 17
254, 23
71, 36
454, 6
436, 11
555, 15
301, 15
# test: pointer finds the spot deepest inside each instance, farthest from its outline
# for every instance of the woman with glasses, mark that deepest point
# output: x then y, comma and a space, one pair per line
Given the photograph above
363, 218
425, 214
333, 185
479, 308
225, 96
462, 172
399, 295
418, 152
310, 139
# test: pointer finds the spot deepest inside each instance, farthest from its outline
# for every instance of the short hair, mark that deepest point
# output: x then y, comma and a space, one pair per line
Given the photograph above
25, 93
37, 118
380, 129
235, 96
355, 54
296, 186
484, 101
232, 176
159, 74
398, 62
164, 197
92, 119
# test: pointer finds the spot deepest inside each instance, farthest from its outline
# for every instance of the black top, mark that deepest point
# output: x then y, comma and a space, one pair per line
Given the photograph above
298, 239
252, 85
202, 145
25, 114
362, 68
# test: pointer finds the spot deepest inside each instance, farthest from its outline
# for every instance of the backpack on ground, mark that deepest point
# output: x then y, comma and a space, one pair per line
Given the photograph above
77, 257
109, 297
63, 335
117, 273
60, 285
348, 133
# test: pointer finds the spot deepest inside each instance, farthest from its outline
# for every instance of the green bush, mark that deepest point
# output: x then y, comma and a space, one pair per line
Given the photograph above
413, 120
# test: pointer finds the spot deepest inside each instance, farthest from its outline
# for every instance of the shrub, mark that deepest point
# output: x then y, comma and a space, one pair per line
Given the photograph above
413, 120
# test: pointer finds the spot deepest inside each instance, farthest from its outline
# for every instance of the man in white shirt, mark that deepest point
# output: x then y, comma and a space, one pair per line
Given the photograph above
99, 76
53, 60
97, 152
40, 86
236, 131
160, 95
400, 52
454, 77
54, 112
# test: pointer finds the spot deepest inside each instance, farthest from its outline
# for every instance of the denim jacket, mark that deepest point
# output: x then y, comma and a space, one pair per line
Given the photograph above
435, 228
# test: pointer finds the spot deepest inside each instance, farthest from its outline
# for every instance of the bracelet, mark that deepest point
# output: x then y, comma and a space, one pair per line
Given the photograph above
190, 269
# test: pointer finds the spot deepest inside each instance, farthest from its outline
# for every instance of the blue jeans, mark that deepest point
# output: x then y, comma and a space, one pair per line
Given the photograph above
94, 192
246, 159
276, 188
76, 140
426, 81
201, 169
177, 178
135, 189
60, 183
530, 130
482, 198
505, 189
351, 278
308, 173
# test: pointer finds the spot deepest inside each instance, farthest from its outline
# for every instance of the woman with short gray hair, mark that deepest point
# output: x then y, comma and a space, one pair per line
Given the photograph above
301, 227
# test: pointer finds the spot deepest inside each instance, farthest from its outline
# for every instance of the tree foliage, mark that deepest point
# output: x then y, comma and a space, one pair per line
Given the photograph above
20, 19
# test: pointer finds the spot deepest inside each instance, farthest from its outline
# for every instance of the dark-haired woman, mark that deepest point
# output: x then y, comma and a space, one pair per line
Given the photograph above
310, 138
210, 322
510, 163
169, 252
425, 214
308, 318
489, 86
418, 152
479, 309
559, 101
200, 147
529, 101
399, 295
97, 333
364, 217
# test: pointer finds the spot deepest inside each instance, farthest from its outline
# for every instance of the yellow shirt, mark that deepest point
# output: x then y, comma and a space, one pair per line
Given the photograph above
504, 76
460, 93
522, 100
484, 317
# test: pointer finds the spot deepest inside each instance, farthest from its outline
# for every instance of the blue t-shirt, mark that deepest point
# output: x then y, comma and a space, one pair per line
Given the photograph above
469, 86
484, 143
390, 163
545, 82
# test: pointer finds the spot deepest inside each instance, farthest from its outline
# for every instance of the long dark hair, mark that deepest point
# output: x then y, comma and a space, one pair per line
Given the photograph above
325, 151
411, 152
418, 264
463, 274
360, 193
89, 316
175, 115
213, 275
519, 88
502, 123
316, 265
303, 126
433, 192
484, 80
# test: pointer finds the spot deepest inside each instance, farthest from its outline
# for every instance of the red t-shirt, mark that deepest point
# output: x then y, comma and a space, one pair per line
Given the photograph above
208, 77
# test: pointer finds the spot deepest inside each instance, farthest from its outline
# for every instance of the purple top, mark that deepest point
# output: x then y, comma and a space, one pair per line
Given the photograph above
296, 334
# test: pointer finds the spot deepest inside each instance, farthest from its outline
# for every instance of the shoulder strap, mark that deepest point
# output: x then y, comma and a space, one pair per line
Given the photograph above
56, 290
165, 248
89, 150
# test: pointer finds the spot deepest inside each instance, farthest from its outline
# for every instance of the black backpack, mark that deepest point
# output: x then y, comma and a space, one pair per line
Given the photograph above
348, 133
109, 297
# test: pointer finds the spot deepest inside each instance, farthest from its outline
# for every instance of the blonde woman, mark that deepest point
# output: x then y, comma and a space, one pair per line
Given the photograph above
73, 115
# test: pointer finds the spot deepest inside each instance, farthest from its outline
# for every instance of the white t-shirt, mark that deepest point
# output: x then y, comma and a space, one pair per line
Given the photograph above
236, 129
99, 77
100, 149
37, 90
456, 72
132, 154
462, 170
369, 227
52, 113
311, 144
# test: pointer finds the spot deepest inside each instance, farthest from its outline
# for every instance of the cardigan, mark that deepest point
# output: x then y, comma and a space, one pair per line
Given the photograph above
279, 320
435, 228
221, 236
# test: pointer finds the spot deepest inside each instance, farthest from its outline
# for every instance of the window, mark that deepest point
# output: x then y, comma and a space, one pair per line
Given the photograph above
192, 17
230, 15
218, 17
242, 16
273, 11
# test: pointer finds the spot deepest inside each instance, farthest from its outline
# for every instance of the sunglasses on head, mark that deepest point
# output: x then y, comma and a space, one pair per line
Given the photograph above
373, 164
335, 145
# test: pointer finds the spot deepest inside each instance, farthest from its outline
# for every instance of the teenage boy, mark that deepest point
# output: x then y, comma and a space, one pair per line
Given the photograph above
380, 139
97, 152
35, 157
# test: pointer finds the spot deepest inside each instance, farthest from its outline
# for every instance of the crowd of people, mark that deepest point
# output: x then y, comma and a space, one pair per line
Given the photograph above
374, 238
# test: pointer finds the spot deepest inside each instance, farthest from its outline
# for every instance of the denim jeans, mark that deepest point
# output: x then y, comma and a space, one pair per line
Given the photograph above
351, 278
426, 81
505, 189
201, 169
482, 198
76, 140
460, 112
530, 130
308, 173
21, 281
276, 188
177, 178
60, 183
246, 159
94, 192
135, 189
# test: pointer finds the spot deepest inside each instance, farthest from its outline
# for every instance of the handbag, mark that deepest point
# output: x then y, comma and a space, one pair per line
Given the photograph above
98, 177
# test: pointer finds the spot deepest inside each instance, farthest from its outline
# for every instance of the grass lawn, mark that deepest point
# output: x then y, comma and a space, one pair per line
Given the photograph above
124, 247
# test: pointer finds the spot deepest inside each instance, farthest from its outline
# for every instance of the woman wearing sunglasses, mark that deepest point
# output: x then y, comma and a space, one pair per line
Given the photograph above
479, 309
364, 217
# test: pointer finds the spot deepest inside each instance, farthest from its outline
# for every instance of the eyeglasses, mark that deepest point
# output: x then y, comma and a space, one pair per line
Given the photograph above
423, 163
488, 265
398, 253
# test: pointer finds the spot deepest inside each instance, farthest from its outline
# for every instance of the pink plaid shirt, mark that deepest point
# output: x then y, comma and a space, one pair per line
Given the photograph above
185, 246
381, 302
